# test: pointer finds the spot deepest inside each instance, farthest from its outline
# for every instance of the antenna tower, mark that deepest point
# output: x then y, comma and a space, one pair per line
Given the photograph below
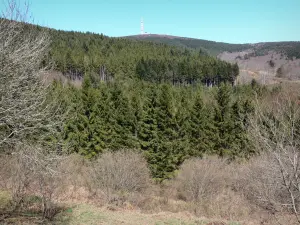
142, 26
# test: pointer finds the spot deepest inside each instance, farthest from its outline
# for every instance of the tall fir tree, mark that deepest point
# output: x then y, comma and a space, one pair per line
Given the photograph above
242, 146
122, 119
201, 129
169, 152
222, 121
82, 130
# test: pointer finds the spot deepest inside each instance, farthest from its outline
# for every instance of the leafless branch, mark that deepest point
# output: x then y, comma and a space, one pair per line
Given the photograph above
276, 129
24, 107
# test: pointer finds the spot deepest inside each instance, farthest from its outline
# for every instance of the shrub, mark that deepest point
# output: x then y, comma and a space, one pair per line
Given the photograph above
266, 185
207, 185
33, 171
200, 178
120, 173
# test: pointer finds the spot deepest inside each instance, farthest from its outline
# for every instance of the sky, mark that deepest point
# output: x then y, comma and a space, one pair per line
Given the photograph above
232, 21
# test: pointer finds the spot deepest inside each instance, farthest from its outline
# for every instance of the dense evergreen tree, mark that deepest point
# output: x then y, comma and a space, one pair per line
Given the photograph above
123, 119
222, 121
167, 123
242, 146
82, 129
201, 129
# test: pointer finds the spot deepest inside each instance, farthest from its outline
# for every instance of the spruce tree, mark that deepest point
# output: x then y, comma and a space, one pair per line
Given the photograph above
122, 119
201, 128
105, 118
242, 146
82, 130
148, 132
165, 153
222, 121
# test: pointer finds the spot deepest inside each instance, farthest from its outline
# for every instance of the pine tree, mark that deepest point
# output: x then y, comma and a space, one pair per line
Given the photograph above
148, 132
164, 151
122, 120
222, 121
105, 118
242, 146
82, 130
201, 128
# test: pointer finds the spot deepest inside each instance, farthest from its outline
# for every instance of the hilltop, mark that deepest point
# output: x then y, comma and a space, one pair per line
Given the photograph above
212, 47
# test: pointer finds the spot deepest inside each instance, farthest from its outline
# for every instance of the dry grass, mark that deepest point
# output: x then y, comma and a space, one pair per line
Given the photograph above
87, 214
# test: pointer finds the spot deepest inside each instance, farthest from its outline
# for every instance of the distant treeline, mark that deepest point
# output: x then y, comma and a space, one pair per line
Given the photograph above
212, 47
287, 49
75, 54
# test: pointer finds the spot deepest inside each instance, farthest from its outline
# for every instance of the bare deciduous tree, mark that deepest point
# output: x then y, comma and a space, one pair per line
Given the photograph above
26, 112
276, 129
24, 109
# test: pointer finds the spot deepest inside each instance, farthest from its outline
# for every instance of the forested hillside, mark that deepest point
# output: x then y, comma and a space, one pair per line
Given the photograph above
290, 49
76, 53
210, 47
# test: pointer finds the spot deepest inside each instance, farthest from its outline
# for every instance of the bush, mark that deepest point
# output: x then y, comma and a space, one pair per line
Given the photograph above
207, 185
120, 173
265, 185
32, 171
200, 178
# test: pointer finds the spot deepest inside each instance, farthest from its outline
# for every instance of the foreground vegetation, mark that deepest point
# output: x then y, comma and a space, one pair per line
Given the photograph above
138, 139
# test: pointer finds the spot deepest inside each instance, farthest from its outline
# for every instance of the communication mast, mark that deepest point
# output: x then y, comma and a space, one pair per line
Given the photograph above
142, 26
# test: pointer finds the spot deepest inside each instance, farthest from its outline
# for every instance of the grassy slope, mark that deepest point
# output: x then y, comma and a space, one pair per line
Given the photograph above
88, 215
91, 215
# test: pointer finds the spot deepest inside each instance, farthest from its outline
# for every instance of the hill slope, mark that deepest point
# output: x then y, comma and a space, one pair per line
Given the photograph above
212, 47
267, 62
76, 54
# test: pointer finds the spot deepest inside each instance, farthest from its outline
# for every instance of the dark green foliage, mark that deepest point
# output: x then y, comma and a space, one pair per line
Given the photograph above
222, 120
151, 97
122, 119
159, 136
168, 124
231, 122
82, 130
290, 49
241, 146
200, 128
105, 58
146, 96
212, 47
187, 70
